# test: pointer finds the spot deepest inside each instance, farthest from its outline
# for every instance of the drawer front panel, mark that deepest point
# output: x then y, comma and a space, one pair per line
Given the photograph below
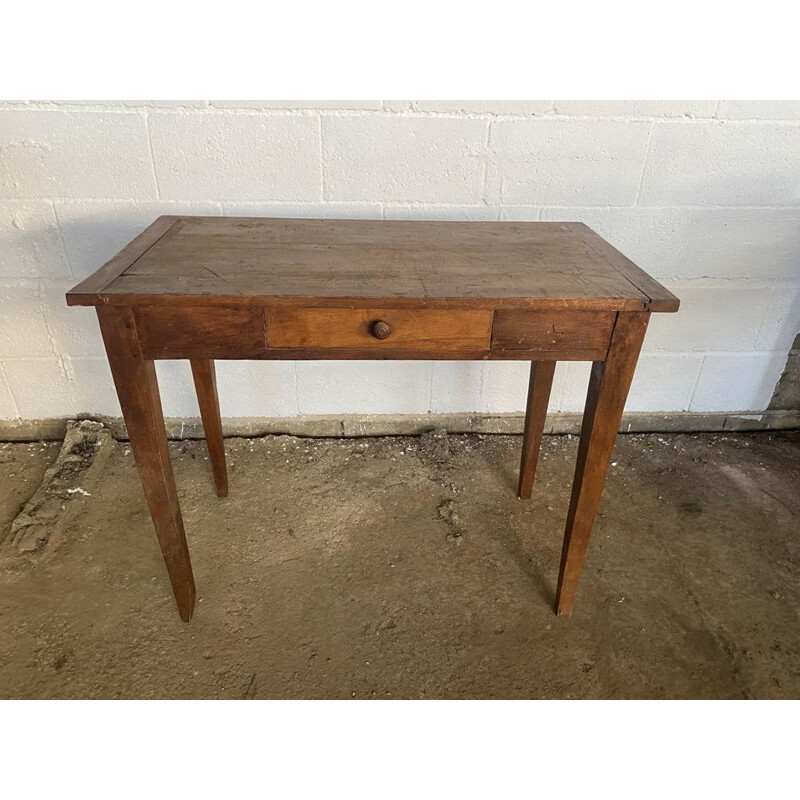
214, 332
583, 331
375, 329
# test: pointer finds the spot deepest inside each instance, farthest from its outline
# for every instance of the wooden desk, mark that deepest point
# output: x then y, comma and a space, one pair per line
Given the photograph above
204, 288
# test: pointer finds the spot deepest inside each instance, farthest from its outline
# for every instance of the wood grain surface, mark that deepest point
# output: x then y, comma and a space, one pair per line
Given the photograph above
554, 330
488, 264
408, 328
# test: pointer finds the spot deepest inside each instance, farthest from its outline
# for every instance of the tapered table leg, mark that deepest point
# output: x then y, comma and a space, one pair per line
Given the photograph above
541, 381
205, 382
137, 388
608, 389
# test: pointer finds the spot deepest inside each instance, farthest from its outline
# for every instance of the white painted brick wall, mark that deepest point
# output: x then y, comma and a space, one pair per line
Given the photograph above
8, 408
365, 387
75, 154
705, 195
725, 164
403, 158
92, 230
564, 161
201, 155
30, 241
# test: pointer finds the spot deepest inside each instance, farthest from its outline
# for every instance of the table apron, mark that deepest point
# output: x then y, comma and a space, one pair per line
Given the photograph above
263, 333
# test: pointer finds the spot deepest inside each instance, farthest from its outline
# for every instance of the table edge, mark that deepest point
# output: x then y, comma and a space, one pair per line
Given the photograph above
661, 298
92, 290
103, 277
378, 301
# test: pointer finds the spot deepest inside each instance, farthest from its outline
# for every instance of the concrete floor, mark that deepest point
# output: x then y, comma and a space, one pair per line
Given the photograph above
407, 568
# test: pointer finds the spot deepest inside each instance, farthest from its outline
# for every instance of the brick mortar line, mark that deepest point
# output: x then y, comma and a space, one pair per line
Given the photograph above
81, 200
152, 154
133, 201
697, 380
62, 240
7, 384
768, 306
389, 114
711, 282
42, 309
644, 166
296, 389
430, 387
484, 173
322, 160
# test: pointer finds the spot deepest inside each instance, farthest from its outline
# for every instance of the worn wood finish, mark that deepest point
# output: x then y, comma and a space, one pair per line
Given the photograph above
587, 331
546, 264
200, 350
661, 299
541, 381
87, 291
207, 288
608, 390
218, 332
203, 301
256, 332
137, 389
439, 331
205, 382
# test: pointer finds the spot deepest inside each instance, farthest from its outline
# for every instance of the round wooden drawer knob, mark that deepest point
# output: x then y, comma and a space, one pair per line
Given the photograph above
381, 329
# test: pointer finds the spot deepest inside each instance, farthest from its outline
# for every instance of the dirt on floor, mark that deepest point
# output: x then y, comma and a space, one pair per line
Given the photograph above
407, 568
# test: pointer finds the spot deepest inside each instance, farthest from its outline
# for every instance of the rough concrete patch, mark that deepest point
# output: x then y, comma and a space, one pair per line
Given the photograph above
83, 453
435, 446
449, 514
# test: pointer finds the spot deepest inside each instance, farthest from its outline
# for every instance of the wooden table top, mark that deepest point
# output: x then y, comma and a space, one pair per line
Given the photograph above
224, 260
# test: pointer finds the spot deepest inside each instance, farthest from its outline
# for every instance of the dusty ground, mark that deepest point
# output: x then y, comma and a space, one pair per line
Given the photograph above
406, 567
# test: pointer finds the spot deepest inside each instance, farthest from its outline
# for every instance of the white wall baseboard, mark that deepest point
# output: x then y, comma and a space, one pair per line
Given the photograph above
410, 425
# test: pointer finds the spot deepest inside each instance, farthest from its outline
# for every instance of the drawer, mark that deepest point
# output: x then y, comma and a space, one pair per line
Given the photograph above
376, 329
172, 331
584, 332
